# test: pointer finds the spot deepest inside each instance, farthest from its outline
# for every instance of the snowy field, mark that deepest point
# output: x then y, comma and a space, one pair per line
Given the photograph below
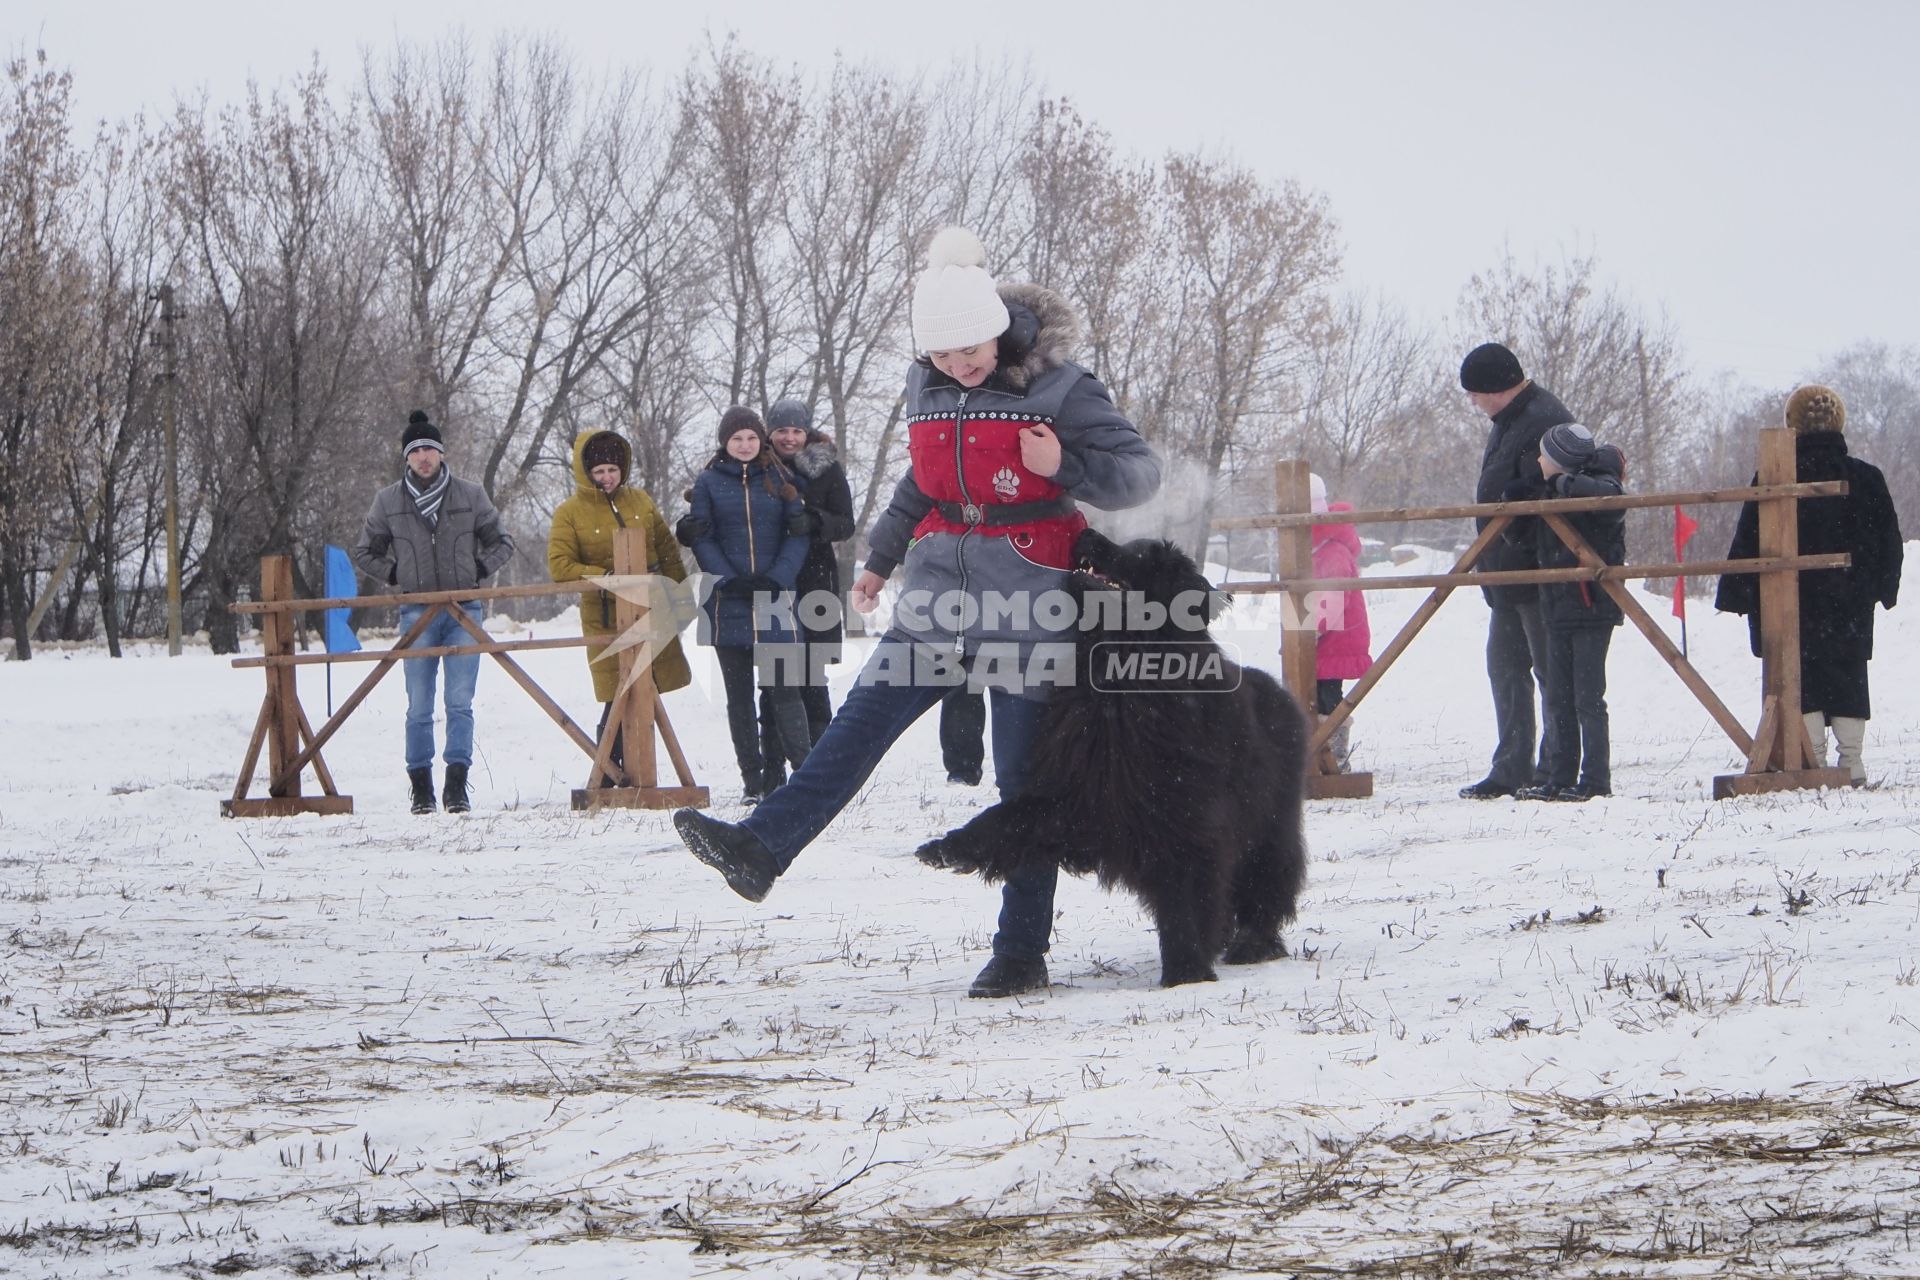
1656, 1035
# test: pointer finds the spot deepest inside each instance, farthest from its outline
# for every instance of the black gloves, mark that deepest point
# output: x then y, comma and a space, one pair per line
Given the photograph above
1519, 489
690, 530
747, 584
804, 523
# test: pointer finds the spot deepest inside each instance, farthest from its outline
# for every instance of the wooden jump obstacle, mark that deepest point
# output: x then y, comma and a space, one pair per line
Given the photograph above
292, 744
1778, 753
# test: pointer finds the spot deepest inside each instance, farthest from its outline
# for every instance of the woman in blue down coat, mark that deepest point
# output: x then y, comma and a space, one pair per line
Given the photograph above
746, 504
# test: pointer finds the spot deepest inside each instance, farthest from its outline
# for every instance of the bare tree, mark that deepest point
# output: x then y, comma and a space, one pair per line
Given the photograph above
115, 479
1366, 387
454, 237
1092, 240
286, 267
1881, 387
42, 283
747, 119
855, 214
602, 235
1254, 263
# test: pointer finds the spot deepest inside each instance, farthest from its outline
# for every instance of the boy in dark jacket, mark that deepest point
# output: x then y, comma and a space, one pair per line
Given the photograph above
1579, 617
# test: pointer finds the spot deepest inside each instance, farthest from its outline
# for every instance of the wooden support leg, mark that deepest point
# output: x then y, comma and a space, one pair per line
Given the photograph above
359, 695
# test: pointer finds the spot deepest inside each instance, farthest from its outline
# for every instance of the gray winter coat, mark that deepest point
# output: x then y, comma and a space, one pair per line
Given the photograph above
399, 549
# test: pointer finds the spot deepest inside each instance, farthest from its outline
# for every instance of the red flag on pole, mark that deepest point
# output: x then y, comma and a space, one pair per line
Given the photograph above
1683, 527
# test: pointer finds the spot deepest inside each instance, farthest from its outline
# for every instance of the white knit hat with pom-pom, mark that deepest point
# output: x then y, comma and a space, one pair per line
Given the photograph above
956, 304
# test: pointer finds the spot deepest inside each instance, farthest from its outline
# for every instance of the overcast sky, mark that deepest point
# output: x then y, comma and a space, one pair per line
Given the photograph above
1747, 165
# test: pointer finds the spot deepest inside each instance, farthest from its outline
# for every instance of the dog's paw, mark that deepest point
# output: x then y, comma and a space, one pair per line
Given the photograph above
1187, 973
944, 853
1248, 948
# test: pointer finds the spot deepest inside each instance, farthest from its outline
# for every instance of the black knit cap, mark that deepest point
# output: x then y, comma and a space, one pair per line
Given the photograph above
740, 418
1490, 368
420, 434
605, 448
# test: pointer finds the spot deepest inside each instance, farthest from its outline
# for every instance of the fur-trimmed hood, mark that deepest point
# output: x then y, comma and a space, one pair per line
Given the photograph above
1044, 332
815, 456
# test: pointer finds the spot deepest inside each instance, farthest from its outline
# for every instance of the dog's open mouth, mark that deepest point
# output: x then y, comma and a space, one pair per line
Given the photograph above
1086, 569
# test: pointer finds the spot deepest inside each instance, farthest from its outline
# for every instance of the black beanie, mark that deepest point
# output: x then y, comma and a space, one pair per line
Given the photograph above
420, 434
739, 419
602, 449
1490, 368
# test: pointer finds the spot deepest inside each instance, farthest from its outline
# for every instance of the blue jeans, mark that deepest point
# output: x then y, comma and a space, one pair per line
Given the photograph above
870, 721
463, 672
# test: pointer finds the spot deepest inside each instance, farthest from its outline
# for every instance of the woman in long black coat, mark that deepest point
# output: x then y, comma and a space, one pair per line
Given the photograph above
1836, 605
814, 465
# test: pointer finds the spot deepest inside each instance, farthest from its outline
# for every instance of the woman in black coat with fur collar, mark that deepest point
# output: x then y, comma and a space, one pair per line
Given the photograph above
1836, 605
826, 518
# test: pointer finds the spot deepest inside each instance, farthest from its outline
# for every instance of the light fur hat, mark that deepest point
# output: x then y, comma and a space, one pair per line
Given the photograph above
1813, 408
955, 302
1316, 491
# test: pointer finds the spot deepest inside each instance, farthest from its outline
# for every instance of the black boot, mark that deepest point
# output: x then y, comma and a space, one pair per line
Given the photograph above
618, 756
422, 780
454, 798
1006, 976
732, 850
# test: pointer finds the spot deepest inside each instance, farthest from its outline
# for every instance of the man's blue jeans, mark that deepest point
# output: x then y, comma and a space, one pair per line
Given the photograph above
871, 719
463, 672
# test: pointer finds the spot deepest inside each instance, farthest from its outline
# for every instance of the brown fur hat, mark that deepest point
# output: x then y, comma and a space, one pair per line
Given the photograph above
1815, 408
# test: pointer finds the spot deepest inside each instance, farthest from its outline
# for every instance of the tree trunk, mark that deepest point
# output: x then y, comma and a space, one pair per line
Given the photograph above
18, 604
223, 625
110, 610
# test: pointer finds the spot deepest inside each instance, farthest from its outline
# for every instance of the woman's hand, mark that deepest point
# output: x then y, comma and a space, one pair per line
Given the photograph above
866, 590
1040, 450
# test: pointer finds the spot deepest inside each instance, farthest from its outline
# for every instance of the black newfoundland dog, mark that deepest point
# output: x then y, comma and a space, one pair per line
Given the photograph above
1165, 767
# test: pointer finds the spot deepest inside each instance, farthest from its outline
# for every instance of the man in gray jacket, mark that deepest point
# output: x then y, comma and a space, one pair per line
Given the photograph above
431, 531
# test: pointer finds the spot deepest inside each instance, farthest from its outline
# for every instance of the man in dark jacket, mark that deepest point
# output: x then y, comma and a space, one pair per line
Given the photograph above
1522, 412
431, 531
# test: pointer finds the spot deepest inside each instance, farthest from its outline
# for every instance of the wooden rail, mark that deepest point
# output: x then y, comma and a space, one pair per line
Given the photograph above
1777, 753
292, 744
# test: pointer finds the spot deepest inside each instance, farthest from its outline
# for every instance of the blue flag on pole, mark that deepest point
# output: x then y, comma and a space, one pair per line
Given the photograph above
340, 582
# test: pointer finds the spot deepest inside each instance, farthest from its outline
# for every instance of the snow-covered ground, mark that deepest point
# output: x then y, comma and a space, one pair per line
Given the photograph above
1651, 1035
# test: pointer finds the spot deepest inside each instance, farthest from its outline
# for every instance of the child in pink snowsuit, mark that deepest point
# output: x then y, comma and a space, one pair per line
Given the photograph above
1344, 637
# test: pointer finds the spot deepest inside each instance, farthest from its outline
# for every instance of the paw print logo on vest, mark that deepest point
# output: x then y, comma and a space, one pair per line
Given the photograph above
1006, 483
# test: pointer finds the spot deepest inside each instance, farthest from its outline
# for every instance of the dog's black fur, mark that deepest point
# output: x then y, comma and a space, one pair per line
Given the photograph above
1188, 793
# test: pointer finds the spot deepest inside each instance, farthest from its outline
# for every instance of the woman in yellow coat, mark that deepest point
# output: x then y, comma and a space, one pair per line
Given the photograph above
581, 546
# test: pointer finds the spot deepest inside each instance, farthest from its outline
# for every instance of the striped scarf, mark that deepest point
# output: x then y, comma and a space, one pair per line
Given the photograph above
427, 500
